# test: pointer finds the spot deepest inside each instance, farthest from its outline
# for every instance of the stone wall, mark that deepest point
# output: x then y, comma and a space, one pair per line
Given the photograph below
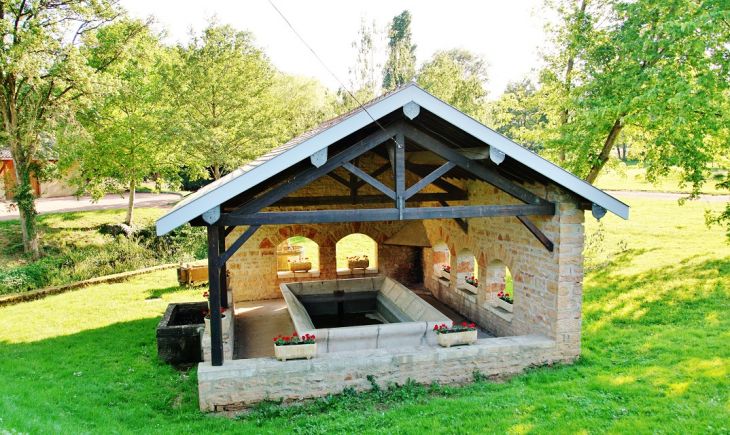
241, 383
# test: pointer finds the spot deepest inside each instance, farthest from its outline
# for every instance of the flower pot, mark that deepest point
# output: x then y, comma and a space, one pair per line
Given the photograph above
505, 305
457, 338
295, 351
358, 264
300, 266
225, 324
445, 274
470, 288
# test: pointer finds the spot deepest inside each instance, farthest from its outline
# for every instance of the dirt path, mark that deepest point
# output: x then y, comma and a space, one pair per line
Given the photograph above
664, 195
109, 202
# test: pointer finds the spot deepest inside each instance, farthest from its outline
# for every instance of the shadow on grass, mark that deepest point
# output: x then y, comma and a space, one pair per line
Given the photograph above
95, 381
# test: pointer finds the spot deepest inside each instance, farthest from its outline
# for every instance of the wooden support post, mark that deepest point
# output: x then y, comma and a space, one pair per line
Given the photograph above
214, 297
400, 174
539, 235
224, 281
370, 180
353, 183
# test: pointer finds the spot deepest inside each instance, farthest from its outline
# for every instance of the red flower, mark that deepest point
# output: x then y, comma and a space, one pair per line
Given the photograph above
506, 295
436, 327
275, 338
453, 323
443, 326
471, 325
313, 337
286, 338
294, 334
463, 324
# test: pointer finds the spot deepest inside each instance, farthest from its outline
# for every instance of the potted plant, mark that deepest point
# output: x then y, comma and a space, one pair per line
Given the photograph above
295, 347
471, 284
206, 295
300, 265
446, 271
358, 262
225, 322
465, 333
505, 302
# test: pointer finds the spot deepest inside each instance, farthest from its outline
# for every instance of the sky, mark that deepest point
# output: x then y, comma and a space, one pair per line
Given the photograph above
506, 33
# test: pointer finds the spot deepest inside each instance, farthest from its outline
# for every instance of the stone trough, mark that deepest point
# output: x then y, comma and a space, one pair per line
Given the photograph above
361, 314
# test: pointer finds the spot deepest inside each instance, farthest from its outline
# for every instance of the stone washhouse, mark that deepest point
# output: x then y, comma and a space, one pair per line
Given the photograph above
433, 188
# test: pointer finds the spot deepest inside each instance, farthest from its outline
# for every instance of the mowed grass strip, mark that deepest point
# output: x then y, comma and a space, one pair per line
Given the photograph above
655, 358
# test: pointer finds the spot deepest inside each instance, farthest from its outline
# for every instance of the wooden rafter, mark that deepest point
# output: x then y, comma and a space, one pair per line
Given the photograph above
539, 235
370, 180
428, 179
482, 172
308, 175
384, 214
303, 201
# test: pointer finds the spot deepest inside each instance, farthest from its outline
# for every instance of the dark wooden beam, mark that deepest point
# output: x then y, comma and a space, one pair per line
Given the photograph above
428, 179
214, 298
539, 235
400, 173
423, 172
482, 172
237, 244
375, 174
303, 201
462, 223
307, 176
339, 179
385, 214
353, 183
224, 281
229, 230
367, 178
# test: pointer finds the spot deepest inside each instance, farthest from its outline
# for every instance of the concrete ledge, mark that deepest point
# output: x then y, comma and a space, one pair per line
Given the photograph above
295, 275
501, 313
348, 272
16, 298
241, 383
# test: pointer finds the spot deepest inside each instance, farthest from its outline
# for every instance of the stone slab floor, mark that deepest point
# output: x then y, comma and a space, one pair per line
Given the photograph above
258, 322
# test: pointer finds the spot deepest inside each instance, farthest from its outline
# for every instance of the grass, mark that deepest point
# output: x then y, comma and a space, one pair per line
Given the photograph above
74, 249
633, 177
655, 357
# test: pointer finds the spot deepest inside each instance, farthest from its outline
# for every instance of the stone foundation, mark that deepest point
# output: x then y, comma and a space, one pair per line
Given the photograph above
241, 383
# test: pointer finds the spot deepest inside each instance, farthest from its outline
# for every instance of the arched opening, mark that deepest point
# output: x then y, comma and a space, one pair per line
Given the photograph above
441, 260
356, 253
298, 255
467, 269
499, 285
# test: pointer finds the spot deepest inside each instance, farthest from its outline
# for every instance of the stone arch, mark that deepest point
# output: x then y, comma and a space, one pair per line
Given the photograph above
441, 256
303, 250
370, 249
466, 266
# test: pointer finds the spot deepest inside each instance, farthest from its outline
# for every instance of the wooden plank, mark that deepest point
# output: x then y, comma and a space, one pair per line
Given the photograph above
375, 174
400, 172
370, 180
462, 223
386, 214
307, 176
237, 244
430, 178
214, 298
539, 235
429, 158
339, 179
353, 183
229, 230
303, 201
482, 172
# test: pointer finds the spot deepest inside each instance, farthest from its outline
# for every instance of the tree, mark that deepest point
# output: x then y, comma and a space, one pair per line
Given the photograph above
44, 74
457, 77
401, 64
125, 141
518, 114
301, 104
366, 74
220, 88
657, 66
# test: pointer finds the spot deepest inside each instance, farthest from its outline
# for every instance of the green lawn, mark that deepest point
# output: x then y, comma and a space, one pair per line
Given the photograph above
655, 358
634, 178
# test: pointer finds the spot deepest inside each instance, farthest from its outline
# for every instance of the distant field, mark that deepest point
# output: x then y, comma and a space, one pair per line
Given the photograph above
635, 179
655, 356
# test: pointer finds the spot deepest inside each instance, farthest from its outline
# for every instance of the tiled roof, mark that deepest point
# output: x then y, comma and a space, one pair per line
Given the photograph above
5, 154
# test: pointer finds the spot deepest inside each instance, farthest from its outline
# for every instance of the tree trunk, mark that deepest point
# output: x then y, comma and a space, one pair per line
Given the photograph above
606, 151
130, 206
25, 198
